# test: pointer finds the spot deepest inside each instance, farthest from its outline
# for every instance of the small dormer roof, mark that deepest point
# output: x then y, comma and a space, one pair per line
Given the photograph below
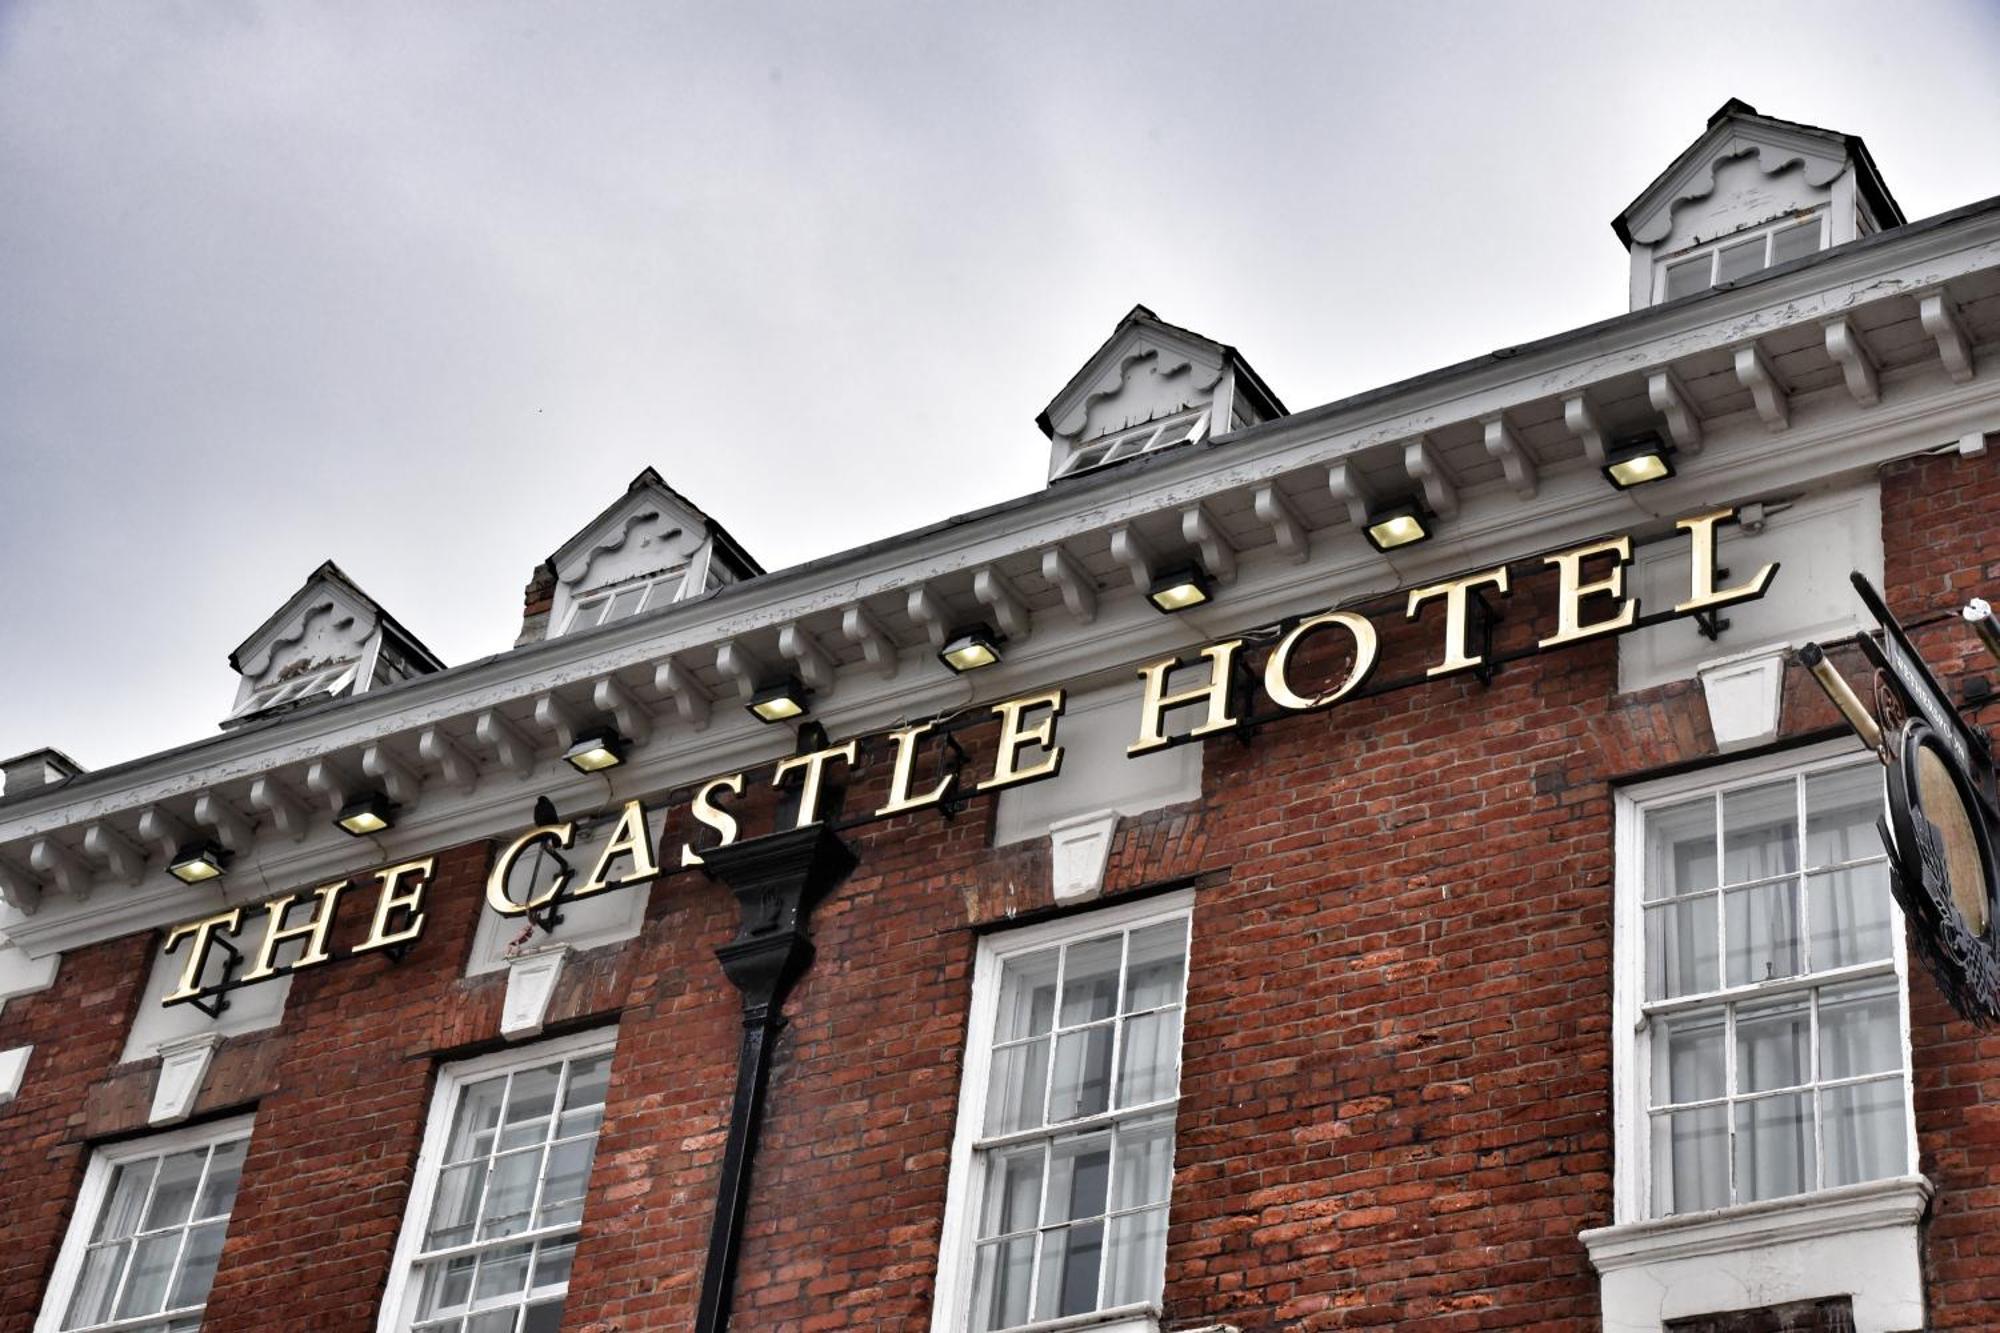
599, 531
1736, 130
330, 583
1139, 333
329, 640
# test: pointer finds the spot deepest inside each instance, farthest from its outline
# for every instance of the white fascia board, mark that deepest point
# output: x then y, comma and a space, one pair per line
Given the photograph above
1830, 439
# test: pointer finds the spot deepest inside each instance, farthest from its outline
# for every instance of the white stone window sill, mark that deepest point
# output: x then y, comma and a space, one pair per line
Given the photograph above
1897, 1202
1142, 1318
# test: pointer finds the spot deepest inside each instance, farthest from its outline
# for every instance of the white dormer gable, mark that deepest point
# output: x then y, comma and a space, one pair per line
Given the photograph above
650, 548
1753, 192
1151, 385
328, 640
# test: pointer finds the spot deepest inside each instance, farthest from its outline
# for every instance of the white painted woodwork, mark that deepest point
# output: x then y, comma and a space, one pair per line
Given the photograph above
691, 698
1669, 398
288, 815
1073, 581
809, 660
398, 780
231, 828
863, 630
1857, 365
1581, 419
1427, 473
610, 696
507, 742
1288, 530
1753, 372
1200, 530
114, 851
997, 593
1506, 448
184, 1064
1939, 317
449, 759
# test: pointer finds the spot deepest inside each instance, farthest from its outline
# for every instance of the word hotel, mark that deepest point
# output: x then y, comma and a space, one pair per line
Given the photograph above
1435, 858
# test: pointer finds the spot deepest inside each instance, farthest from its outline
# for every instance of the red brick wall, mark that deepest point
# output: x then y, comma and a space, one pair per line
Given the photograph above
1397, 1093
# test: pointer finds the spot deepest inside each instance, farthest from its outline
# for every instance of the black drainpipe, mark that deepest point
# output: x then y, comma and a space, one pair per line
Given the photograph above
777, 880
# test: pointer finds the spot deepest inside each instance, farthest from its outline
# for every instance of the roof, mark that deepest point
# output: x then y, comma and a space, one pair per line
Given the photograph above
328, 572
1868, 177
650, 479
1140, 316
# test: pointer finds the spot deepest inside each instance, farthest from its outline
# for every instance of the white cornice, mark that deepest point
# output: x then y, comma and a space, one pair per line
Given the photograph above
1830, 439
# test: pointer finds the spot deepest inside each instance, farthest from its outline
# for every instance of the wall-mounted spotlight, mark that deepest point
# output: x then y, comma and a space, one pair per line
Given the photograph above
370, 813
597, 749
196, 862
1636, 461
1180, 587
1398, 525
970, 648
780, 701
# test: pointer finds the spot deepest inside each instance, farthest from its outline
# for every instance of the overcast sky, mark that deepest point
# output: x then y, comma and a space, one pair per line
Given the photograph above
420, 287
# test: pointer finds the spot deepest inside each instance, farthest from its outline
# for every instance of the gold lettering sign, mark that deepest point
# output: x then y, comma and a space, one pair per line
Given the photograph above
710, 815
900, 799
1158, 702
814, 764
1457, 613
391, 897
630, 838
1572, 590
1702, 592
312, 930
1016, 736
1278, 665
558, 835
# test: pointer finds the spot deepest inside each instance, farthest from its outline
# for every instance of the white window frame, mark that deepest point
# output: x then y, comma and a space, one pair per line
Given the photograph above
90, 1201
399, 1299
650, 600
951, 1311
1631, 1051
1712, 250
1156, 434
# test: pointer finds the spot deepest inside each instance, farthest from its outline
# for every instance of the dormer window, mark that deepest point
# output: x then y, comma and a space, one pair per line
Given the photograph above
626, 600
1181, 428
1736, 257
331, 682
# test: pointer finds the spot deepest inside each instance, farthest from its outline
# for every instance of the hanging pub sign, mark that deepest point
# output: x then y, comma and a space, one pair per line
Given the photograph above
558, 861
1942, 825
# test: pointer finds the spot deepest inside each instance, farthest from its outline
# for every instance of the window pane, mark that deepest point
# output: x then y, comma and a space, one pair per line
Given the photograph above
553, 1262
1016, 1087
455, 1208
1739, 260
1157, 956
1772, 1045
447, 1286
626, 602
1145, 1165
1688, 1057
502, 1272
1001, 1277
478, 1114
1149, 1061
152, 1266
1763, 932
225, 1172
1083, 1073
1760, 832
127, 1196
1860, 1030
1849, 915
1071, 1257
1090, 980
587, 614
1681, 949
1790, 243
510, 1192
1864, 1125
97, 1284
543, 1318
173, 1189
1013, 1194
529, 1102
1079, 1176
1773, 1141
1690, 1160
563, 1181
1137, 1258
583, 1098
197, 1271
1680, 849
1027, 996
1687, 277
1841, 809
493, 1321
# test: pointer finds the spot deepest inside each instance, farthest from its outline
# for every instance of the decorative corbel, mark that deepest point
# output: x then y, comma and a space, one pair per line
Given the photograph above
18, 889
1505, 448
1078, 589
996, 592
436, 748
1131, 550
112, 849
325, 780
235, 831
1754, 373
690, 696
1581, 419
1670, 399
387, 768
1350, 489
864, 631
799, 647
1426, 469
1844, 344
164, 831
509, 745
928, 610
287, 815
61, 866
1199, 529
554, 715
1940, 319
635, 723
1275, 512
741, 665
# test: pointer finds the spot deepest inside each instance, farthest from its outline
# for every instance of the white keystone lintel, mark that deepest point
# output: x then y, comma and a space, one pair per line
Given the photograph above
531, 984
13, 1069
183, 1069
1079, 850
1745, 693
